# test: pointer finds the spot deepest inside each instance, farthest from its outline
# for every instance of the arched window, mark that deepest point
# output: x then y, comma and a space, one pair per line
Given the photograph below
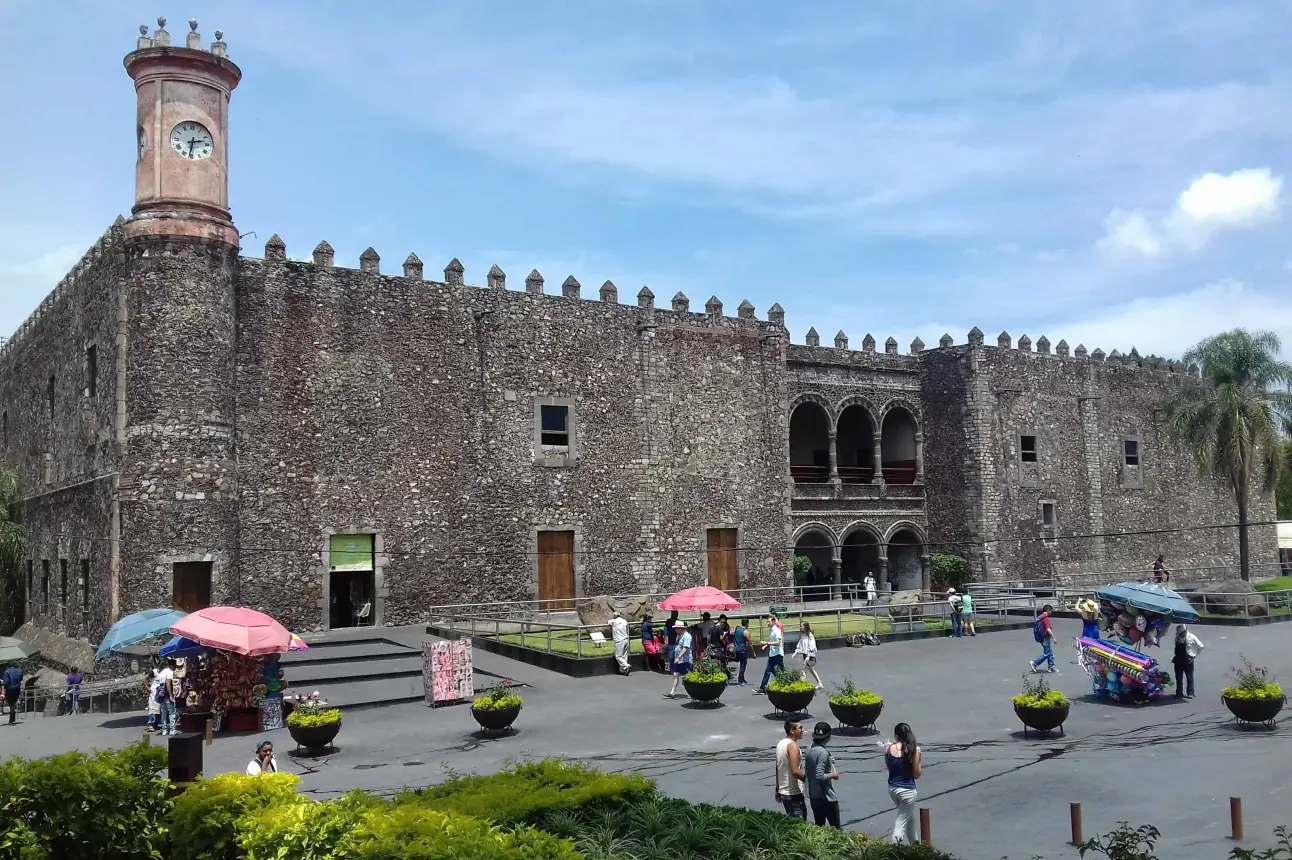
898, 447
810, 444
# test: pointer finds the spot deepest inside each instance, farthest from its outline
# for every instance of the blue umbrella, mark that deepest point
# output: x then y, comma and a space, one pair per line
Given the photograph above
1148, 597
181, 646
136, 628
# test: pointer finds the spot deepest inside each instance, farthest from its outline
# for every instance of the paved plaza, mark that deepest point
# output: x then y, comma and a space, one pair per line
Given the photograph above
991, 792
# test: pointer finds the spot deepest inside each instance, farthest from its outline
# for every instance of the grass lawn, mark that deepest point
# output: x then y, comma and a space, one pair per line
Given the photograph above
1280, 584
826, 626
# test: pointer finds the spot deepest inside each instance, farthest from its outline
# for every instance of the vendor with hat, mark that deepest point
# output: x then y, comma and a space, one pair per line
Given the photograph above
819, 767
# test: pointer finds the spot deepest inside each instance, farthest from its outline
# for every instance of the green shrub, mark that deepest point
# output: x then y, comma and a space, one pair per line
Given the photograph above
305, 831
307, 720
789, 681
707, 671
513, 796
1038, 694
849, 694
948, 570
111, 805
1251, 682
500, 696
415, 833
203, 824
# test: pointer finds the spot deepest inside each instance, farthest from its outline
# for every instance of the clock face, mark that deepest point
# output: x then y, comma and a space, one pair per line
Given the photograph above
191, 140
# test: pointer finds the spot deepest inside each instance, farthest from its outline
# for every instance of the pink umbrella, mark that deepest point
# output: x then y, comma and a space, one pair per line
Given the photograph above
704, 597
232, 628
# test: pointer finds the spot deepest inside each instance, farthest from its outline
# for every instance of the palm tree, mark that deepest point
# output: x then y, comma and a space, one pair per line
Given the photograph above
13, 549
1234, 424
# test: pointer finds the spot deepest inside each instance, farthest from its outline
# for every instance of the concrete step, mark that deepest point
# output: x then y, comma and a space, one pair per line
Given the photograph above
349, 652
375, 691
388, 666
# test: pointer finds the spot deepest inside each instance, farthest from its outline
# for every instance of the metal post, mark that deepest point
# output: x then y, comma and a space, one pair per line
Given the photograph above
549, 637
838, 623
1076, 824
926, 827
210, 727
147, 739
1236, 818
578, 641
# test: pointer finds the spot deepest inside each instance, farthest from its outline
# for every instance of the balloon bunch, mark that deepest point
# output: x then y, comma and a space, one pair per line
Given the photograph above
1132, 626
1120, 673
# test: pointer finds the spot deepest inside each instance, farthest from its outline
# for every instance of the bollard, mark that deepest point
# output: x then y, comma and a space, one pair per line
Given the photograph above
148, 739
1076, 824
1236, 818
210, 728
926, 827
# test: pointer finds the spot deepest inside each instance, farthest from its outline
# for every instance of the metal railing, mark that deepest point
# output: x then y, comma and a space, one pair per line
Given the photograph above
35, 699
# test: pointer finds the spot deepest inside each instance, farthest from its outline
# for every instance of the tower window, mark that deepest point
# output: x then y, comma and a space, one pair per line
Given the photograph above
49, 395
1027, 449
85, 585
91, 371
1047, 514
1130, 452
556, 425
62, 582
44, 584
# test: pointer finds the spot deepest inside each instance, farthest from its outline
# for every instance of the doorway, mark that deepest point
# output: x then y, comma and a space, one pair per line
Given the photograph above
723, 571
556, 570
351, 592
191, 585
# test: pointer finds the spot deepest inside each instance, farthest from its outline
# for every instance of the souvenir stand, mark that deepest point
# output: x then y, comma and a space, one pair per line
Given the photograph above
1136, 616
447, 673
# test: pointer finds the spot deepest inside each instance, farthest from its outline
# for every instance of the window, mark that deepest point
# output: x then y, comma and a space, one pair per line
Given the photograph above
1027, 449
44, 583
555, 425
49, 395
62, 582
1047, 513
85, 585
1130, 452
191, 585
91, 370
30, 582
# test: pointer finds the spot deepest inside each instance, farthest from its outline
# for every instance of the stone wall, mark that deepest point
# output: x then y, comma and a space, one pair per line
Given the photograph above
65, 451
407, 408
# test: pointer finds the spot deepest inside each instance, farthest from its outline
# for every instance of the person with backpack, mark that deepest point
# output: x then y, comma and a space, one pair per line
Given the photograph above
956, 606
741, 644
1043, 632
166, 696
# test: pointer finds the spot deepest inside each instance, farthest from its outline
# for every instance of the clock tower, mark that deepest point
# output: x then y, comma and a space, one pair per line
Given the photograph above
182, 137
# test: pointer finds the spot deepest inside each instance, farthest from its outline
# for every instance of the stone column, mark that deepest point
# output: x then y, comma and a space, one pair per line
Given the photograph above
919, 457
834, 459
878, 456
926, 573
882, 584
836, 569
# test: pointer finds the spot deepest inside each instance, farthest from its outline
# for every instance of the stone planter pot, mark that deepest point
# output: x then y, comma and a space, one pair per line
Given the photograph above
704, 691
790, 703
857, 716
314, 737
1043, 719
496, 719
1255, 710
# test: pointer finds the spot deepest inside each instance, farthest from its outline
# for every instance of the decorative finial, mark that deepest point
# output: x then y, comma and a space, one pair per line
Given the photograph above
192, 24
161, 22
219, 34
143, 29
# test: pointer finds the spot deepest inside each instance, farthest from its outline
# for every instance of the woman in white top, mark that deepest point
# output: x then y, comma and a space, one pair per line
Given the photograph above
807, 650
264, 760
154, 706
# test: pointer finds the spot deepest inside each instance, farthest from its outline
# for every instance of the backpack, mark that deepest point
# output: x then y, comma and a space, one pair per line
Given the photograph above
1038, 630
159, 695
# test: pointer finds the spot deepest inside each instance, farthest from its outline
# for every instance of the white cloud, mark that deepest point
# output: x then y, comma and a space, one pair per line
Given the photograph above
1212, 203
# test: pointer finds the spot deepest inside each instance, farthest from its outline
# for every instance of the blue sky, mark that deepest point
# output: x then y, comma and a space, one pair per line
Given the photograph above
1108, 173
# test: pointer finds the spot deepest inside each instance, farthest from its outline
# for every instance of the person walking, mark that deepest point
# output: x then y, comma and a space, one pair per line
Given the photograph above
264, 760
1160, 573
167, 695
13, 690
681, 657
1043, 632
671, 629
870, 589
789, 771
742, 643
905, 765
775, 647
654, 660
806, 649
73, 694
1187, 647
821, 777
956, 604
619, 635
966, 614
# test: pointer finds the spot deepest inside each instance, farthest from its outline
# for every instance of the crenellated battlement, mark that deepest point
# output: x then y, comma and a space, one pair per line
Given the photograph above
324, 257
1042, 349
192, 41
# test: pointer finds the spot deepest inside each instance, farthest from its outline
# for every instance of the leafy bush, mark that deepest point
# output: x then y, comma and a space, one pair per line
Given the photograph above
111, 805
1037, 694
789, 681
1282, 849
310, 712
499, 697
1124, 843
414, 833
513, 796
306, 831
849, 694
204, 821
947, 570
1251, 682
707, 671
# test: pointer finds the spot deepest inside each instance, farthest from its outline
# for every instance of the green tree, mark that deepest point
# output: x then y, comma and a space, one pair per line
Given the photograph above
1233, 424
13, 549
1283, 492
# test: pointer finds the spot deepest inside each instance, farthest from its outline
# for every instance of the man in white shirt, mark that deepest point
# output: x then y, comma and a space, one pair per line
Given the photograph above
619, 633
775, 646
870, 589
264, 760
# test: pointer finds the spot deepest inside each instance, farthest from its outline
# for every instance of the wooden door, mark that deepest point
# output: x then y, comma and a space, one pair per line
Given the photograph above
191, 585
556, 570
723, 572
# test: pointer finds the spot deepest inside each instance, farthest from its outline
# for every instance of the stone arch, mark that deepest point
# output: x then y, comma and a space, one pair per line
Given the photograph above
860, 549
811, 423
900, 445
819, 544
907, 550
856, 431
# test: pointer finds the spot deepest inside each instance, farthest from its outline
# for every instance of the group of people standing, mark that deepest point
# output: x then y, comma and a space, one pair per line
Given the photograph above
816, 771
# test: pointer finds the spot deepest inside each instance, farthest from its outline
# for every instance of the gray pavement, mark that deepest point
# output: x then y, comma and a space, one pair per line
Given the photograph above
991, 792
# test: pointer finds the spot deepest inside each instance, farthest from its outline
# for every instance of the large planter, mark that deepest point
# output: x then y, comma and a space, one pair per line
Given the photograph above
790, 703
857, 716
1254, 710
704, 691
314, 737
1043, 719
496, 719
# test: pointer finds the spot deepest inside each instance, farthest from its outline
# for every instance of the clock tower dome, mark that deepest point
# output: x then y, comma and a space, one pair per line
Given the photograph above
182, 135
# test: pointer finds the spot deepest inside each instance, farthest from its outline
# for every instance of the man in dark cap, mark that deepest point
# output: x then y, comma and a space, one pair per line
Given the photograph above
819, 767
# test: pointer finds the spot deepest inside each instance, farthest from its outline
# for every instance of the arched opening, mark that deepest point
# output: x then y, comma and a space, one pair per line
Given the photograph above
810, 444
813, 569
897, 447
855, 446
904, 550
859, 554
